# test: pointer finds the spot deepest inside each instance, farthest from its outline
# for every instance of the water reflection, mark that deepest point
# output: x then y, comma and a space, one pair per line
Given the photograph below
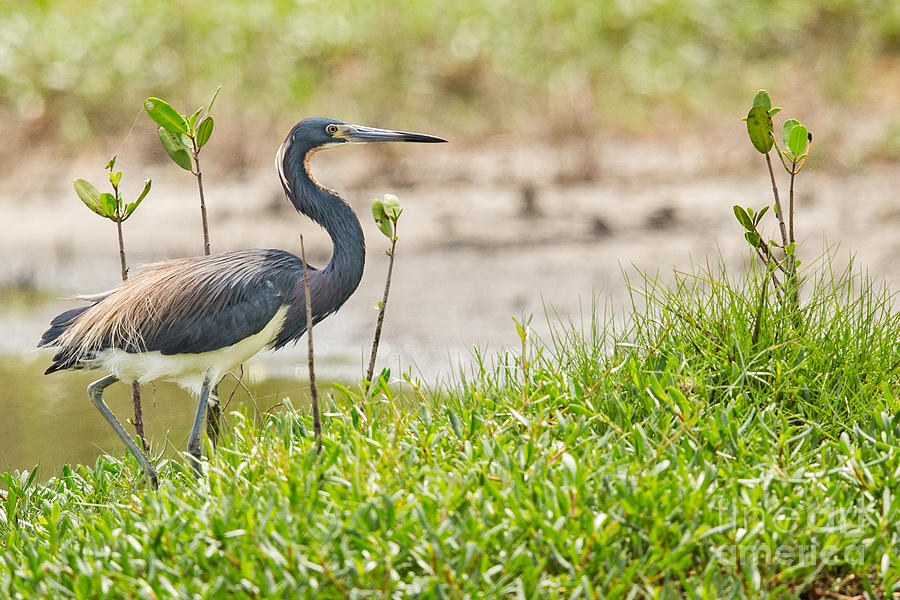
48, 421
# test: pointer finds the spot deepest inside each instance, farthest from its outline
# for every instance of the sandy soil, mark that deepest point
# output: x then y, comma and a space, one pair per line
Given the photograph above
486, 234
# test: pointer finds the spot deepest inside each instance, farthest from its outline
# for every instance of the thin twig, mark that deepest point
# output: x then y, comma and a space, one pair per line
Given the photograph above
791, 217
387, 288
783, 267
780, 153
122, 252
214, 410
778, 212
138, 414
237, 378
135, 386
314, 393
790, 268
766, 258
199, 175
792, 259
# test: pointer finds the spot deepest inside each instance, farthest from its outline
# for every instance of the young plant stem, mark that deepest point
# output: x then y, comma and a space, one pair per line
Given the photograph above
791, 216
122, 262
213, 411
792, 260
778, 211
314, 393
199, 175
790, 267
138, 414
764, 252
387, 288
135, 386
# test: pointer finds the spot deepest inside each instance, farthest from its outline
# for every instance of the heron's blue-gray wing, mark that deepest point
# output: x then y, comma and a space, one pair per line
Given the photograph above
59, 324
245, 313
238, 308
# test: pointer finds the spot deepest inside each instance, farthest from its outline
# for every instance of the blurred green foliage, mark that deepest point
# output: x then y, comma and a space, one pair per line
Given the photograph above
67, 67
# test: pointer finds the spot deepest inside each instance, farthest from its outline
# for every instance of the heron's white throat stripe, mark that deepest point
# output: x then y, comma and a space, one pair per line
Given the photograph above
279, 162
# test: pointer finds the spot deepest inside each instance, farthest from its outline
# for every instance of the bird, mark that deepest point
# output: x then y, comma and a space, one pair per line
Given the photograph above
192, 320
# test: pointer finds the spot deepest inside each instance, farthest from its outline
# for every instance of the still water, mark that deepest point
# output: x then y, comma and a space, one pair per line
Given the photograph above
48, 421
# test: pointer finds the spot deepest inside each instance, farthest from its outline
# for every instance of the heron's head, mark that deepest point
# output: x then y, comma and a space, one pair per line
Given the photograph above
321, 132
315, 133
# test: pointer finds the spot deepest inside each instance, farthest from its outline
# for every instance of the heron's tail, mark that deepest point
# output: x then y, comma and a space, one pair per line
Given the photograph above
59, 324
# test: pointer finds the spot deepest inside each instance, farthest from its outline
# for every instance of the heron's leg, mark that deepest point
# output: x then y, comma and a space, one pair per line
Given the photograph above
95, 390
194, 439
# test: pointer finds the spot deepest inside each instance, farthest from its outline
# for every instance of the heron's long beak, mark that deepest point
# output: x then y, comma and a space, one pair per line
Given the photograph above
361, 134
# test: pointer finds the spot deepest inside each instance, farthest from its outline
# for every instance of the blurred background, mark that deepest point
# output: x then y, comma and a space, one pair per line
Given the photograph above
590, 140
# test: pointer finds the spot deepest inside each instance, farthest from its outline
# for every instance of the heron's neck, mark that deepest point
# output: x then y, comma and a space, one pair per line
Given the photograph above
325, 207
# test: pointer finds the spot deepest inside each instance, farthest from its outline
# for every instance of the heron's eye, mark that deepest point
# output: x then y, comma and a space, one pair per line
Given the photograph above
332, 129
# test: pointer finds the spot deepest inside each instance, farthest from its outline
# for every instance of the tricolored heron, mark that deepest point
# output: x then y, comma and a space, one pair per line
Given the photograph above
191, 320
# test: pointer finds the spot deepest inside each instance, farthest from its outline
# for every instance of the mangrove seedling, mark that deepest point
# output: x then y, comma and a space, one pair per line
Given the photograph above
310, 359
113, 207
386, 213
778, 258
182, 138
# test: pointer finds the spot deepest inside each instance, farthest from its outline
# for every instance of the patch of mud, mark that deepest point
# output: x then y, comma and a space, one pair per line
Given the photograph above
486, 234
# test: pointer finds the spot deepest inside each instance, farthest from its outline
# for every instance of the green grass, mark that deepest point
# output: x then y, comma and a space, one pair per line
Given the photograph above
672, 454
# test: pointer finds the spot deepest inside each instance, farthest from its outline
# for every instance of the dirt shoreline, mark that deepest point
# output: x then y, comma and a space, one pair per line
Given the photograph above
485, 236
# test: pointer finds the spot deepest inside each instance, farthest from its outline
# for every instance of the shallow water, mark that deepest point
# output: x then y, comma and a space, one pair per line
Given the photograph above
49, 421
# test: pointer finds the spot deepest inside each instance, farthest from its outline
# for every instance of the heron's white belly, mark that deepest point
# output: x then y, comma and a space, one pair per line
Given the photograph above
187, 370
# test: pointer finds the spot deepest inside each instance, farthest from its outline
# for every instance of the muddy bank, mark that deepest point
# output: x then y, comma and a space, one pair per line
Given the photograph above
485, 235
